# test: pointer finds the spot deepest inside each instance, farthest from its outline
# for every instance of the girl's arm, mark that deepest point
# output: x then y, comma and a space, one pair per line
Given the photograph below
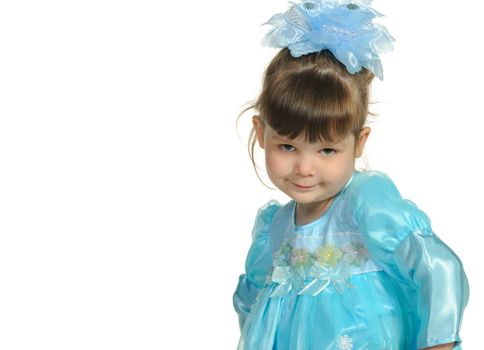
257, 264
427, 272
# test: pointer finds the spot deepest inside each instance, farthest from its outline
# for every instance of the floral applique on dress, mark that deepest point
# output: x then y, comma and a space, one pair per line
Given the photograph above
308, 272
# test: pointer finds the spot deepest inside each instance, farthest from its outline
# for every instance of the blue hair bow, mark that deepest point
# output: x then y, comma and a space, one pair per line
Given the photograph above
343, 27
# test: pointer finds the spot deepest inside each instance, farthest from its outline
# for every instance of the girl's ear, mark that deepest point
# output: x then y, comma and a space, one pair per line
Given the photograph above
360, 143
259, 129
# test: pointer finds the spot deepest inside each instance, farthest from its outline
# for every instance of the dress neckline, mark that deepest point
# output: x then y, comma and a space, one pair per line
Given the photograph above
323, 217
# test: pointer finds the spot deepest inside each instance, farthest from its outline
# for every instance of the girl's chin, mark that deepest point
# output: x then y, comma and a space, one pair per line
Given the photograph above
303, 198
307, 197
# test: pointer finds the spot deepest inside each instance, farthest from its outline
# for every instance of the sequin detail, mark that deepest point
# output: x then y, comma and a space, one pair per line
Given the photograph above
308, 5
294, 16
334, 29
346, 343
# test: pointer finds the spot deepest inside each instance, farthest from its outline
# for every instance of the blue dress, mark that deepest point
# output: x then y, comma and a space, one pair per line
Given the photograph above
370, 274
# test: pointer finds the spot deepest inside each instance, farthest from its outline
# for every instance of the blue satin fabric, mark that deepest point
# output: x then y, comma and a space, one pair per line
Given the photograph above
369, 274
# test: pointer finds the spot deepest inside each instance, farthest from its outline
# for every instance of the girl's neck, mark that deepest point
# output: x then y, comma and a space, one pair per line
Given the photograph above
309, 212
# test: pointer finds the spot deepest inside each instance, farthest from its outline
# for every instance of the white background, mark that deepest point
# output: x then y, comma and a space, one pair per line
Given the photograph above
126, 195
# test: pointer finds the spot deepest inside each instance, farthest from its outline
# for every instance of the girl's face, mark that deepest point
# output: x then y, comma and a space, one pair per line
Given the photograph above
309, 173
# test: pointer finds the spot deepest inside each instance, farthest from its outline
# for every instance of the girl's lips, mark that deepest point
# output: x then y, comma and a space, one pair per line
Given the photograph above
301, 186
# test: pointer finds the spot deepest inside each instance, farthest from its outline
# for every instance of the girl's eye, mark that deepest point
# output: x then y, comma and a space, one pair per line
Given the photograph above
287, 148
327, 151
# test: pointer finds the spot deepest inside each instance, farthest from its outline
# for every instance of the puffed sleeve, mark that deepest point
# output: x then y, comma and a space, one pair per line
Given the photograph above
428, 274
258, 262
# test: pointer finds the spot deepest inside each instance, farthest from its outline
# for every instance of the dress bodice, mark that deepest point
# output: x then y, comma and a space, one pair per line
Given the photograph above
370, 273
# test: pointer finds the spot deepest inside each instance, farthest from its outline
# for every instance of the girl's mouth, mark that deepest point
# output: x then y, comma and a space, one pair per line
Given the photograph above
302, 186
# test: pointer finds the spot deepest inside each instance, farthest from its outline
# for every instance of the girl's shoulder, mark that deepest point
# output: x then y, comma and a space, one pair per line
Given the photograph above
372, 183
374, 201
368, 176
264, 217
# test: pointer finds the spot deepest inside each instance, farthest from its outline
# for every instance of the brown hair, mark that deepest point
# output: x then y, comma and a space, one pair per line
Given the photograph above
312, 95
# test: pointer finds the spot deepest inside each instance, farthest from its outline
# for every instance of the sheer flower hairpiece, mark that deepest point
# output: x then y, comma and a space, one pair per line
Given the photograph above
343, 27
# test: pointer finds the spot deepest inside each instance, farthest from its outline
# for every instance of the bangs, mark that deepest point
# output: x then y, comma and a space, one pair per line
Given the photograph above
318, 105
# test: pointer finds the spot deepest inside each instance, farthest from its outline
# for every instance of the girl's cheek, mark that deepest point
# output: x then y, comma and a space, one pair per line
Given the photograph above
277, 163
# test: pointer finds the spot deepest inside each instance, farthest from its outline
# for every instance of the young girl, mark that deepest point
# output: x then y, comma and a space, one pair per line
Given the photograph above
347, 263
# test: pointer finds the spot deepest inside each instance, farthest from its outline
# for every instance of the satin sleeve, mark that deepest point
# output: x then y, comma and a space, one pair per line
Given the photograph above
258, 263
429, 276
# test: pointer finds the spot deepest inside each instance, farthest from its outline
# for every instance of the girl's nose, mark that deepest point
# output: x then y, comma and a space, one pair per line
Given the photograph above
304, 166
